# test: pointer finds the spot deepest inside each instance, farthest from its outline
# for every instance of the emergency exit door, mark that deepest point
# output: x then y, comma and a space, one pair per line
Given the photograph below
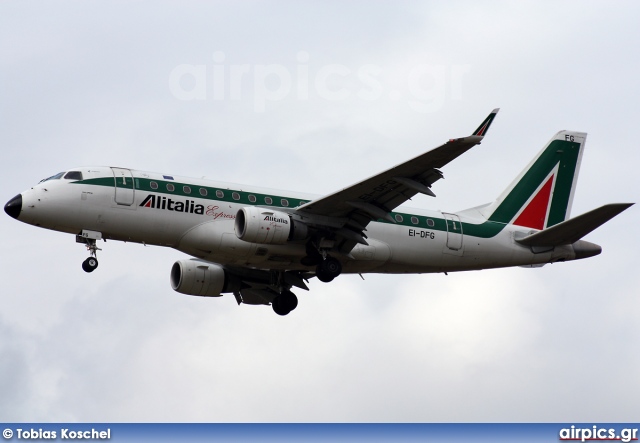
123, 186
454, 232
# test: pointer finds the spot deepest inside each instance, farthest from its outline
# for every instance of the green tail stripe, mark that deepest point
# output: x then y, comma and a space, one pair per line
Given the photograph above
564, 152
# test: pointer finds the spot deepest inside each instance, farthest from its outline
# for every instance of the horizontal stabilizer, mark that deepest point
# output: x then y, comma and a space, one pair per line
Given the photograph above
572, 230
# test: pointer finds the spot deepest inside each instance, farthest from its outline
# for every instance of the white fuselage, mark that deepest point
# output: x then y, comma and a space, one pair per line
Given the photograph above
197, 216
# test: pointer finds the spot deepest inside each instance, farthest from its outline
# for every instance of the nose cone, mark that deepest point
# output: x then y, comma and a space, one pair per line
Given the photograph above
14, 206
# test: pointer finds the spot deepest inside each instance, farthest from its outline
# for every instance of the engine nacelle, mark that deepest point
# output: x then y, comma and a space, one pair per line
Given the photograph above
198, 277
261, 225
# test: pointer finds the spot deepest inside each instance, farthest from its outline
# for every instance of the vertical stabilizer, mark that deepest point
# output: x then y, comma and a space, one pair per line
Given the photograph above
541, 196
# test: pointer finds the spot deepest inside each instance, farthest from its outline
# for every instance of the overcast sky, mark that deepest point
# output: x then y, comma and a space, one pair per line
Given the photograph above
314, 96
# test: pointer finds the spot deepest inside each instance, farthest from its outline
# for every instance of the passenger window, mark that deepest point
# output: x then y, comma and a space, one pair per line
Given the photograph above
186, 189
219, 194
153, 185
252, 198
284, 202
73, 175
414, 220
430, 223
235, 196
399, 218
170, 187
268, 200
203, 192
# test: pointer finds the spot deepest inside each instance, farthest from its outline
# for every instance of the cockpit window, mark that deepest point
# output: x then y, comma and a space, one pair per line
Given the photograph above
73, 175
53, 177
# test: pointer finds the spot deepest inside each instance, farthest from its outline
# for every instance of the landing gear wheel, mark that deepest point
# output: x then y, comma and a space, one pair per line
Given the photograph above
284, 303
278, 306
328, 270
90, 264
290, 300
322, 275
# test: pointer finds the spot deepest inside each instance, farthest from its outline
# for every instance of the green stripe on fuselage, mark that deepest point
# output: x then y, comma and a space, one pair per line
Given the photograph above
487, 229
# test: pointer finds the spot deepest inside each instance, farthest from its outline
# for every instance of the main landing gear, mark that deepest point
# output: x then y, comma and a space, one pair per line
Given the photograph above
284, 303
327, 267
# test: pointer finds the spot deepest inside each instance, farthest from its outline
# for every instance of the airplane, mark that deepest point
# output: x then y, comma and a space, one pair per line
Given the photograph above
258, 243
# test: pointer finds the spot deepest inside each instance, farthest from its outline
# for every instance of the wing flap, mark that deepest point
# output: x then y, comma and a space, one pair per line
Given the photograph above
572, 230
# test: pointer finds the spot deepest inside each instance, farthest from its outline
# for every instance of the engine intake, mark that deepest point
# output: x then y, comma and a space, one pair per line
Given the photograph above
266, 226
198, 277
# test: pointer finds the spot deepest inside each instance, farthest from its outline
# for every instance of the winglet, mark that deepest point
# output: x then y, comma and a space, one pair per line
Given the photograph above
484, 126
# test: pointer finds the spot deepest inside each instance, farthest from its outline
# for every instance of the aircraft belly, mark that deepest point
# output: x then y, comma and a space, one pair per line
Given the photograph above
368, 258
424, 251
411, 248
216, 241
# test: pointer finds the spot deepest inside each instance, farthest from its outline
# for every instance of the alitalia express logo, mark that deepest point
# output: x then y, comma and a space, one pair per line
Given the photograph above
185, 206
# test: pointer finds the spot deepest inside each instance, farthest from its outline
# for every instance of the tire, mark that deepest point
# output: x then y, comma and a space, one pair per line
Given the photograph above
279, 307
322, 275
90, 264
332, 266
328, 270
289, 300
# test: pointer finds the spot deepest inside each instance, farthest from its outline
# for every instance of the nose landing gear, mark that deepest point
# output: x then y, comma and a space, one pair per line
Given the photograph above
89, 239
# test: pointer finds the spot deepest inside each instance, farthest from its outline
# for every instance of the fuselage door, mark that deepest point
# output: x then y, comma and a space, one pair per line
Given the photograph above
123, 186
454, 232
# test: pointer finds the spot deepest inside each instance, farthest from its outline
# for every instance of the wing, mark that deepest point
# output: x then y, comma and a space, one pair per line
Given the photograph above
375, 197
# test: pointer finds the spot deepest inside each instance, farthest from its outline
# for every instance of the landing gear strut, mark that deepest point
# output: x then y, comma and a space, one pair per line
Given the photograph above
89, 239
327, 267
284, 303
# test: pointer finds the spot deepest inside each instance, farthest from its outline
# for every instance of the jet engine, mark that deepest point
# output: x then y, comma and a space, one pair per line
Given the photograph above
266, 226
198, 277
